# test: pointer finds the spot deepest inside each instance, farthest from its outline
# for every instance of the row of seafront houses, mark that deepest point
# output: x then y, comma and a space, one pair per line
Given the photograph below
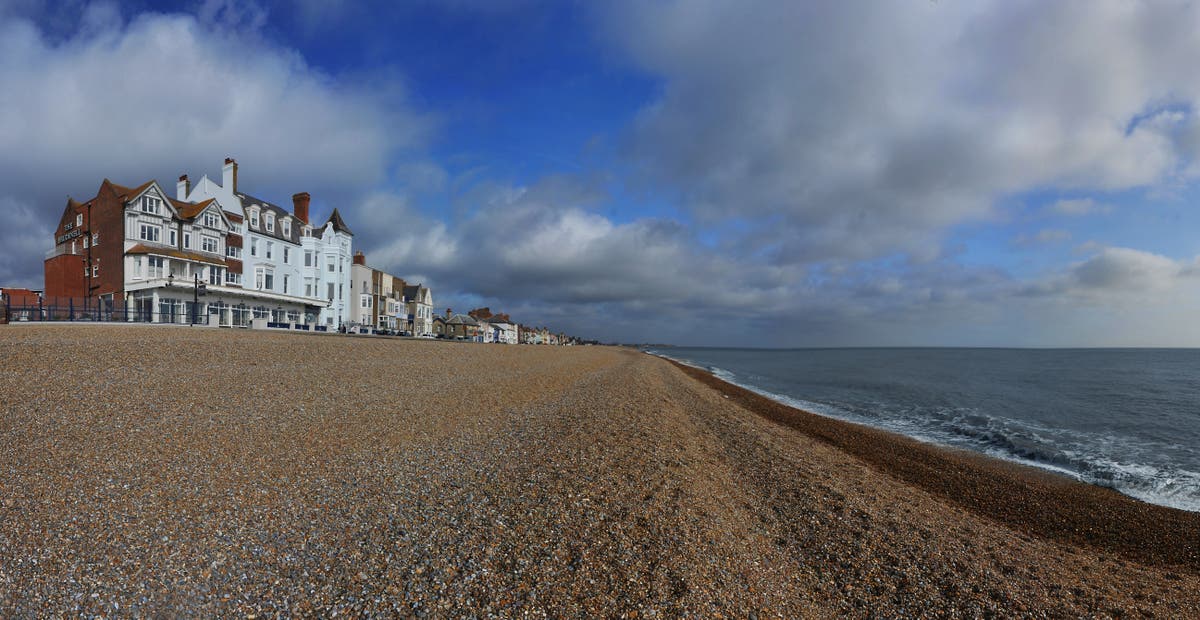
217, 256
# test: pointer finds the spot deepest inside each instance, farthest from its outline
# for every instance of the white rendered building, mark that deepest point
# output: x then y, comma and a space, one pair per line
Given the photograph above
305, 270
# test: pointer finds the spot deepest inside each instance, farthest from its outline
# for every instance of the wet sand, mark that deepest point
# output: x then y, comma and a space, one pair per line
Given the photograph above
181, 471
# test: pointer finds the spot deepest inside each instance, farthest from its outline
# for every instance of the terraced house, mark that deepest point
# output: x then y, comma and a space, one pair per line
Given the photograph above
304, 269
138, 250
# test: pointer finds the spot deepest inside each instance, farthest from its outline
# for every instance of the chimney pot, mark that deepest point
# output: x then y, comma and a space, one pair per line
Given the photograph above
183, 187
300, 206
229, 174
360, 258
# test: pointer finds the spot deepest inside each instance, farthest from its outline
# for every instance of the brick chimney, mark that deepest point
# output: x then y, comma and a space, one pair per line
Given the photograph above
182, 188
448, 312
300, 206
229, 175
360, 258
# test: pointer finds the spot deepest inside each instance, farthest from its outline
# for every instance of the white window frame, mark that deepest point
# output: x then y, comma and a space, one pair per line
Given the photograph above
151, 205
254, 218
187, 240
144, 228
210, 244
270, 221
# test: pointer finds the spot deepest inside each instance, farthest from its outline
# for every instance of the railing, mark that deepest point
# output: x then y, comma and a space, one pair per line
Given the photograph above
90, 309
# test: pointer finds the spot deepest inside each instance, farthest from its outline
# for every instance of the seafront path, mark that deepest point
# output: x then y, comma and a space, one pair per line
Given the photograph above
198, 472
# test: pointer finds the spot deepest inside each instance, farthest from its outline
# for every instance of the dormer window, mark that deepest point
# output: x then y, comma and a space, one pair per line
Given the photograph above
287, 227
270, 222
254, 218
210, 220
151, 204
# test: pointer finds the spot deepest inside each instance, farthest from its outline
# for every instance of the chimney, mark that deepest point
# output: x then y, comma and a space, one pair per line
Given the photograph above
229, 175
300, 206
183, 188
448, 312
360, 258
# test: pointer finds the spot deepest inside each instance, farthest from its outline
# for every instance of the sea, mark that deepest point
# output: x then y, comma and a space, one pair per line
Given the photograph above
1128, 419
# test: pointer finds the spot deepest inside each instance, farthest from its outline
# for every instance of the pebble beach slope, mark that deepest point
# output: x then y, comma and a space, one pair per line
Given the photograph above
192, 472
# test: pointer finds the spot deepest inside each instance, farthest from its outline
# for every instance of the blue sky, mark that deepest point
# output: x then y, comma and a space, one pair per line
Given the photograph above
764, 172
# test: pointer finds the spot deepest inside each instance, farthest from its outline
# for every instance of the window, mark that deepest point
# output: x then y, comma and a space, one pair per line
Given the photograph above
254, 219
287, 228
365, 301
137, 268
187, 240
210, 220
149, 232
214, 276
233, 278
330, 291
155, 266
95, 268
208, 244
308, 258
95, 239
286, 255
270, 249
330, 267
270, 223
150, 204
236, 228
78, 219
286, 282
86, 241
254, 247
233, 251
264, 279
173, 236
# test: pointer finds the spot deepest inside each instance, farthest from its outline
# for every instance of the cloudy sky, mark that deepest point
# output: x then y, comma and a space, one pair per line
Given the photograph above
723, 172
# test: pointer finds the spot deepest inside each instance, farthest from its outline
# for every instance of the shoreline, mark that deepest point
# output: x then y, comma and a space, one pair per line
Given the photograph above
1031, 500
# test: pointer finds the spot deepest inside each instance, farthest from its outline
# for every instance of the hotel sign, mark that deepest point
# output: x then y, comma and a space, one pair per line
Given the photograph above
63, 238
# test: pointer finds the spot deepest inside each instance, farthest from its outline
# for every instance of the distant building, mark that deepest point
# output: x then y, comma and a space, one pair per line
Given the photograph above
418, 302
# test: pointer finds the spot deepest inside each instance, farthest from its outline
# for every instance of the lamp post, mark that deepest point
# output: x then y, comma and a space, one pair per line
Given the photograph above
170, 283
195, 295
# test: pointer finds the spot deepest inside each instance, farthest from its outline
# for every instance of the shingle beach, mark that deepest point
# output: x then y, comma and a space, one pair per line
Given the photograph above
196, 472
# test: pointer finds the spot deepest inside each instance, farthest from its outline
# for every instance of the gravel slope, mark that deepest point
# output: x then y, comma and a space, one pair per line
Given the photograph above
175, 471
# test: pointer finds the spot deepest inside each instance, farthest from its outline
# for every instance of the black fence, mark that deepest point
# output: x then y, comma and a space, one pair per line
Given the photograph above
93, 309
86, 309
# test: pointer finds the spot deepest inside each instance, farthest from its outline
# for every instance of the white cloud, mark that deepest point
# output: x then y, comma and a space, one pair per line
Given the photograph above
856, 129
165, 94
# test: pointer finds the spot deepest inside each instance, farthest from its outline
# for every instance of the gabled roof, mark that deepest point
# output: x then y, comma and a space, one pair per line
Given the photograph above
461, 319
189, 210
339, 224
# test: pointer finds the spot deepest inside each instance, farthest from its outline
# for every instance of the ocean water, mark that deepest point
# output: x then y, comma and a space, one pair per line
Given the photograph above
1128, 419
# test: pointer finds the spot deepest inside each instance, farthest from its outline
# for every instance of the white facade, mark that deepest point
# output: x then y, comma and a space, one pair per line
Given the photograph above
284, 259
505, 333
168, 252
325, 272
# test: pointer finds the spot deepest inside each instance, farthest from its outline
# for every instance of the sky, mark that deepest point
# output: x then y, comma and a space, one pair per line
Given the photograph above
700, 172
